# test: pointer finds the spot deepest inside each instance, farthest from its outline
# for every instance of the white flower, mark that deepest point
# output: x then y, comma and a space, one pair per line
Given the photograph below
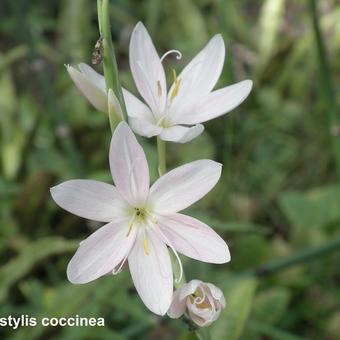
93, 87
141, 222
202, 300
175, 115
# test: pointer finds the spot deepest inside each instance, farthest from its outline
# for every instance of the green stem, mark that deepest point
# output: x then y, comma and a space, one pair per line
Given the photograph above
99, 12
301, 257
327, 90
161, 149
109, 60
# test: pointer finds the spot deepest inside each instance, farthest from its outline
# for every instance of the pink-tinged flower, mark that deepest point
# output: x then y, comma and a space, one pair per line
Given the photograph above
175, 115
141, 221
92, 85
203, 301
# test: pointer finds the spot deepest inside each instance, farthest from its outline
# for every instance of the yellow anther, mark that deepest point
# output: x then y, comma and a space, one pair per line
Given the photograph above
146, 246
177, 83
159, 88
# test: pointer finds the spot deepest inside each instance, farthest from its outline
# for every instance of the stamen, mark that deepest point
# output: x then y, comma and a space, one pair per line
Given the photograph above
159, 88
200, 299
177, 280
178, 57
177, 83
151, 216
146, 245
119, 269
130, 225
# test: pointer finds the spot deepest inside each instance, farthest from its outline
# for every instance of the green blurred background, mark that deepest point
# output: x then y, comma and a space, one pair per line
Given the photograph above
277, 203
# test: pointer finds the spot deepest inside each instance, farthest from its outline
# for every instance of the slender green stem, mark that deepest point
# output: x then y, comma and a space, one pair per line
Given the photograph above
99, 12
327, 90
109, 60
300, 257
161, 149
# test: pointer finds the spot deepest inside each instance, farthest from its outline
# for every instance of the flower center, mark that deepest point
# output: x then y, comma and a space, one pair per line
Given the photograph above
141, 217
199, 298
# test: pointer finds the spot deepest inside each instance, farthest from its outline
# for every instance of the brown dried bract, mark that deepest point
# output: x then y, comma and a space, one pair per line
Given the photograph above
97, 56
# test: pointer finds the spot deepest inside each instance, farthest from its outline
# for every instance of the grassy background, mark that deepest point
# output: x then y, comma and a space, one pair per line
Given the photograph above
278, 201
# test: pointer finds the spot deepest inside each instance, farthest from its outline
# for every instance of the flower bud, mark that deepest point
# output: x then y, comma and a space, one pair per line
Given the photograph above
203, 301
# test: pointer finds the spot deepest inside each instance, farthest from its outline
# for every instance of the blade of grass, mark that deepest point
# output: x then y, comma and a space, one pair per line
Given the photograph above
300, 257
327, 91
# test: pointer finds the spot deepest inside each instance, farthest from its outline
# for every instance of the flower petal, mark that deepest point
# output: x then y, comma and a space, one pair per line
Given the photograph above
152, 272
136, 108
144, 128
193, 238
201, 75
141, 118
128, 164
189, 288
181, 134
93, 76
93, 200
216, 103
101, 252
183, 186
147, 69
178, 305
216, 293
90, 89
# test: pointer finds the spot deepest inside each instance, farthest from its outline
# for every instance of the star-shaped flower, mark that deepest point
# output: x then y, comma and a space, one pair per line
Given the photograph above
175, 115
142, 222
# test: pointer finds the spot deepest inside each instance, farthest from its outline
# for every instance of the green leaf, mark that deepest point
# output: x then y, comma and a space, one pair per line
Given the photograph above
29, 256
239, 295
315, 208
270, 305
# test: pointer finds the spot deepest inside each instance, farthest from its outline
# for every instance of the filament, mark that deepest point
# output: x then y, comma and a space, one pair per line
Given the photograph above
178, 57
177, 280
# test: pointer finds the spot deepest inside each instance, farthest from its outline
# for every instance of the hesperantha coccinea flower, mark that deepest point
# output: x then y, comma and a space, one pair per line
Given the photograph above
143, 222
175, 115
202, 301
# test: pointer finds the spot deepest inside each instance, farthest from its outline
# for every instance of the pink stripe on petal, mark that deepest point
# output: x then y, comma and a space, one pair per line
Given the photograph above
183, 186
193, 238
147, 69
129, 167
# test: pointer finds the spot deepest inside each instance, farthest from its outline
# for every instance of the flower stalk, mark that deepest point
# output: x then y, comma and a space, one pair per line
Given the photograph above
161, 150
109, 60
